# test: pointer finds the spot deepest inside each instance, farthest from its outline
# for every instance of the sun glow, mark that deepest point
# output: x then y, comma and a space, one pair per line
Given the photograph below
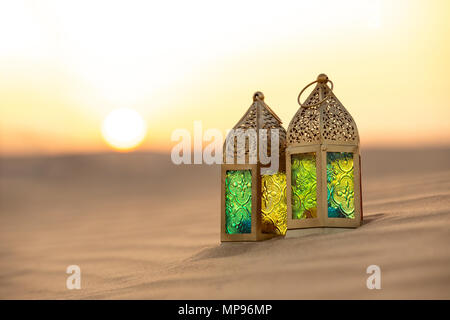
64, 65
124, 129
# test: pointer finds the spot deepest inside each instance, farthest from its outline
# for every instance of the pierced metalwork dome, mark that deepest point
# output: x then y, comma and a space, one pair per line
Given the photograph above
258, 116
322, 119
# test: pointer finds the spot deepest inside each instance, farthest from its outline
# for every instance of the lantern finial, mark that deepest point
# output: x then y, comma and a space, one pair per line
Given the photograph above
322, 78
258, 95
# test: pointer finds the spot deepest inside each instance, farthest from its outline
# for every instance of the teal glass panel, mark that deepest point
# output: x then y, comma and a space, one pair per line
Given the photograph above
238, 201
340, 185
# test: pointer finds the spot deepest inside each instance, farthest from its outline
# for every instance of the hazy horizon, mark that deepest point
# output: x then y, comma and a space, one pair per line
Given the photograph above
67, 65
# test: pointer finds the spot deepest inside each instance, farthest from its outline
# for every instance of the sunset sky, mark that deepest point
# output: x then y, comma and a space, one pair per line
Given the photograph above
65, 65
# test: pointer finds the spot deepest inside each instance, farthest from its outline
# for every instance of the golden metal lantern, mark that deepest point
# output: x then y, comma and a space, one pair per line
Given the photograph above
253, 198
323, 163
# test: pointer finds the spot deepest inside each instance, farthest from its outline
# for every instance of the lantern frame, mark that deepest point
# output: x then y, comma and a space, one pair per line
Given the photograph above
318, 143
258, 116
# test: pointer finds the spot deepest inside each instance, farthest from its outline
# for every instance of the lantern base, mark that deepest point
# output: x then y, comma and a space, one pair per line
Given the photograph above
298, 233
248, 237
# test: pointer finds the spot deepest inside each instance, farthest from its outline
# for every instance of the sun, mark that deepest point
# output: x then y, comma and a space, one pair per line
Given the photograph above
124, 129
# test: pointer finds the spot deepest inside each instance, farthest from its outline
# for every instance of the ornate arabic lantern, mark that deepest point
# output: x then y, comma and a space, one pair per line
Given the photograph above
323, 163
253, 193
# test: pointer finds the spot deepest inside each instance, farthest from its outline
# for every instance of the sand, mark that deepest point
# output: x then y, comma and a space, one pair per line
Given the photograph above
140, 227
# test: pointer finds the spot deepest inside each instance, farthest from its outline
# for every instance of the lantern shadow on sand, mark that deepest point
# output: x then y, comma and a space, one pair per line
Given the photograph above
323, 163
253, 196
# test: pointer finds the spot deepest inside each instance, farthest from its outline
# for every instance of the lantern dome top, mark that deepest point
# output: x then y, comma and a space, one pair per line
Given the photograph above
322, 119
258, 116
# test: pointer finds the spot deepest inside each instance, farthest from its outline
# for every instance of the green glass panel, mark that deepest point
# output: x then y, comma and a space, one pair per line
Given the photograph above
273, 206
238, 201
304, 186
340, 185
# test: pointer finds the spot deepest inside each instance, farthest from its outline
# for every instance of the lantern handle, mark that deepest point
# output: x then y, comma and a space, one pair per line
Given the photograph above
322, 78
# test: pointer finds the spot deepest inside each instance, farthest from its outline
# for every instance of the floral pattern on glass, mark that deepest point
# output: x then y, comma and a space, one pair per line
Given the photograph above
304, 185
273, 206
238, 201
340, 185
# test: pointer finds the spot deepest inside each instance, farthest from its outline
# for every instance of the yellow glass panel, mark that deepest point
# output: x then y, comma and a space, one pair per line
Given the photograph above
273, 206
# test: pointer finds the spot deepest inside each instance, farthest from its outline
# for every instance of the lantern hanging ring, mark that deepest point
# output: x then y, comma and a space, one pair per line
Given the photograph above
322, 79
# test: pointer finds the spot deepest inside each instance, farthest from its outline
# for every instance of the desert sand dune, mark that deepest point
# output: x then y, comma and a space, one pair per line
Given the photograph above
142, 228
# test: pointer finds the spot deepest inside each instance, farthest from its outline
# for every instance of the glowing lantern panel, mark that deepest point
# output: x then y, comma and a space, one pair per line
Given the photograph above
238, 201
304, 186
340, 185
273, 203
